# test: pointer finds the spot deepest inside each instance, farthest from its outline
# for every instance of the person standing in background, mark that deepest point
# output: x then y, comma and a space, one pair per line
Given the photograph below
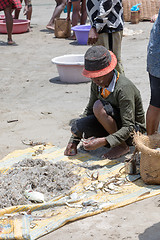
79, 13
153, 68
8, 6
60, 5
106, 18
28, 13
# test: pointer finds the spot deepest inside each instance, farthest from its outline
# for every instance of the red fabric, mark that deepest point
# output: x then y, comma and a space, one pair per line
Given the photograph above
6, 3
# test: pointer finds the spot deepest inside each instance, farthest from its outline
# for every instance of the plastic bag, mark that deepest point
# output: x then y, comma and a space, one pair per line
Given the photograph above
135, 7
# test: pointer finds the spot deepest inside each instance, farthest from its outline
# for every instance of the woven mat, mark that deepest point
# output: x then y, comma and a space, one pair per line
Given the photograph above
15, 223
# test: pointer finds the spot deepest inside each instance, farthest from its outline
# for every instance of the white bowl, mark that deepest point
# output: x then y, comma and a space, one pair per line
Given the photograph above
70, 68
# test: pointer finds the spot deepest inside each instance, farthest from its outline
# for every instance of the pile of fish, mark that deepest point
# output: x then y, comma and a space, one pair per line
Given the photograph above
111, 185
30, 179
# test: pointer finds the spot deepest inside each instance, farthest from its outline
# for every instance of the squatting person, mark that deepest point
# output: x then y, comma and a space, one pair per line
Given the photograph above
114, 110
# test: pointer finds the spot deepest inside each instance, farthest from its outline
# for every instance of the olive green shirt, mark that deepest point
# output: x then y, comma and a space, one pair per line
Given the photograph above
126, 97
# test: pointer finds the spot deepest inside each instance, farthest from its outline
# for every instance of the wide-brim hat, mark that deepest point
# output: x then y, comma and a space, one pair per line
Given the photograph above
98, 61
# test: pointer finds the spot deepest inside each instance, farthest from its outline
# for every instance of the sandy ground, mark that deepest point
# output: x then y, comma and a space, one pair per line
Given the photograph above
30, 88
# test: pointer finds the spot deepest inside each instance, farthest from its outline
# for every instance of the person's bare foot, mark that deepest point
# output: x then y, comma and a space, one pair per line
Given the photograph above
50, 27
29, 29
71, 149
10, 42
117, 152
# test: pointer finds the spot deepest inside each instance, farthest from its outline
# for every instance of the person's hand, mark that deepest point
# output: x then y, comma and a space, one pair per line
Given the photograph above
25, 10
92, 36
71, 149
94, 143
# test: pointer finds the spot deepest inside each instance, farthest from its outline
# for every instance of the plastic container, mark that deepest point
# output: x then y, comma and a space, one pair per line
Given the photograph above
81, 32
135, 14
135, 7
65, 9
2, 17
70, 68
19, 26
135, 17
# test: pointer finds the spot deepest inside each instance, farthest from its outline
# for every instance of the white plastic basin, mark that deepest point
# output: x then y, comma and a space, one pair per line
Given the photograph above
70, 68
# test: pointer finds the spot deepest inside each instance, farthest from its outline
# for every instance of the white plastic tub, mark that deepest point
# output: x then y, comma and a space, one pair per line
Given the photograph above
70, 68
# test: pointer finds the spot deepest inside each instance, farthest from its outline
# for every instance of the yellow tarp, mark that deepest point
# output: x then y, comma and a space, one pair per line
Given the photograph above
15, 223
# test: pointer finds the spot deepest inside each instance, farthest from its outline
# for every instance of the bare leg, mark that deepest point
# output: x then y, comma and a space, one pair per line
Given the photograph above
69, 5
29, 13
152, 119
106, 121
75, 16
56, 14
110, 126
9, 23
83, 13
17, 12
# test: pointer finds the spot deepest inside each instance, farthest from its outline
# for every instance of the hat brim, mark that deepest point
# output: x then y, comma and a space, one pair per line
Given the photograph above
101, 72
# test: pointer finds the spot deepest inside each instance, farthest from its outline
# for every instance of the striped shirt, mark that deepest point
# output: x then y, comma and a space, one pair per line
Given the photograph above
105, 15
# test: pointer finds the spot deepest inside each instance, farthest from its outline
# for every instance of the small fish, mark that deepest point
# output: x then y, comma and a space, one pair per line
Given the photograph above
105, 205
143, 194
106, 189
111, 186
100, 185
74, 196
113, 192
34, 196
89, 203
90, 188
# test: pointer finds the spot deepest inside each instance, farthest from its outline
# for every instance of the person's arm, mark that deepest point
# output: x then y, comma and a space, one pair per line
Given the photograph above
115, 139
126, 99
94, 143
93, 97
25, 11
71, 148
92, 36
105, 7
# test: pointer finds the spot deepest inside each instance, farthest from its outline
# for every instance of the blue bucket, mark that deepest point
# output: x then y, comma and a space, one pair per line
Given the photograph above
81, 32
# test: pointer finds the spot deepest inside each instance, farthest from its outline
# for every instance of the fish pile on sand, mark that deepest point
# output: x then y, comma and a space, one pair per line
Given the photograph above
50, 179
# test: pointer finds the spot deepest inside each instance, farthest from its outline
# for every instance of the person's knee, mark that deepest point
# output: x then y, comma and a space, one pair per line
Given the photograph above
7, 11
98, 108
63, 4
